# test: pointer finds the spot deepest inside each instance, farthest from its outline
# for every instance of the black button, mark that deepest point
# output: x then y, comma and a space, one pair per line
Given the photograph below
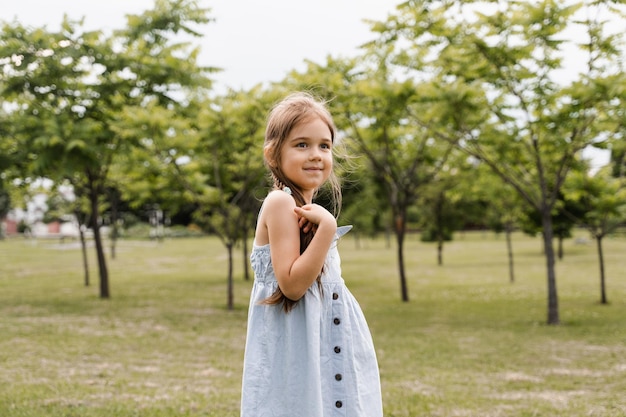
336, 321
335, 296
338, 404
337, 349
338, 377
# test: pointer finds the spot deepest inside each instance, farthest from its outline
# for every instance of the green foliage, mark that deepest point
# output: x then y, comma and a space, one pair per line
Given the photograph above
67, 89
229, 156
362, 203
602, 201
152, 171
490, 77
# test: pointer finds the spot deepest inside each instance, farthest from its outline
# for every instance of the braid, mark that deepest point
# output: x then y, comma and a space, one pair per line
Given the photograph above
278, 184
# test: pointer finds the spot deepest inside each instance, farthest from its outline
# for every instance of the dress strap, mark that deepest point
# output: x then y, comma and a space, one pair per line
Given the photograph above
342, 230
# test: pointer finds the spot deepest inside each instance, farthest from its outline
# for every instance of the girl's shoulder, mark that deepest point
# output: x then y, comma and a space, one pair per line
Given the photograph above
278, 199
277, 205
277, 214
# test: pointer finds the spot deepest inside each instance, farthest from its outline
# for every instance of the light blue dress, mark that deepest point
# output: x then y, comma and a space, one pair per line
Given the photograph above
318, 360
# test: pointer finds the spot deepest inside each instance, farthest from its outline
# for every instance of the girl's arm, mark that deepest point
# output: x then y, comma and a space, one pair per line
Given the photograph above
296, 272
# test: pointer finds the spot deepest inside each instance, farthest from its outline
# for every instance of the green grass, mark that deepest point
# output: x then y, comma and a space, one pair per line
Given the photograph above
469, 343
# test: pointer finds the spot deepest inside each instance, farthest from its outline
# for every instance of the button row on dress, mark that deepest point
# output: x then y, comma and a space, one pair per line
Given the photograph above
338, 377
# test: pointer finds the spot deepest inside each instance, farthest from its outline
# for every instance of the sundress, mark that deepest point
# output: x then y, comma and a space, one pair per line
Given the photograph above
318, 360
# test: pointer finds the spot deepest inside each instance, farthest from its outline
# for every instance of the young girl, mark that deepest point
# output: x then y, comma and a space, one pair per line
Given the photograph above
309, 352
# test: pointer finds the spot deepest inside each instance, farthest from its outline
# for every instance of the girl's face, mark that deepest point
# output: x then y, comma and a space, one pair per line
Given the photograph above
306, 156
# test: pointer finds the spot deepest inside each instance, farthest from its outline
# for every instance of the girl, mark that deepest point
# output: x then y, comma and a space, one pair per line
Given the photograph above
309, 351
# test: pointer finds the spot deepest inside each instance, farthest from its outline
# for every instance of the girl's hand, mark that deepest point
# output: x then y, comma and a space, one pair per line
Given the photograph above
311, 216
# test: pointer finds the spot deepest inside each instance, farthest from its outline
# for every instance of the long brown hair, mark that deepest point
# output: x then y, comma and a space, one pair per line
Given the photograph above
287, 114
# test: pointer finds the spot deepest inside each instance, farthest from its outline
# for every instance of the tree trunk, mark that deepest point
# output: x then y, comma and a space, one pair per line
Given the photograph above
388, 237
400, 233
603, 298
357, 240
114, 229
102, 265
441, 200
83, 245
509, 249
231, 297
440, 250
246, 260
548, 235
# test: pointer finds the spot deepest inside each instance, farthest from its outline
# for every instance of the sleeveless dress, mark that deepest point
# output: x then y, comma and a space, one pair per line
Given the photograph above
318, 360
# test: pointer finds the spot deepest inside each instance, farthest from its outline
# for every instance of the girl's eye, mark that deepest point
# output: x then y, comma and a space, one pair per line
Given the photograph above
301, 145
325, 146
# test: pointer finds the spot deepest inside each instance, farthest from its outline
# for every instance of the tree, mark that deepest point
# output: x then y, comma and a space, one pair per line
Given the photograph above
8, 161
401, 155
45, 82
67, 88
207, 156
229, 154
5, 205
603, 206
442, 205
80, 210
499, 98
503, 208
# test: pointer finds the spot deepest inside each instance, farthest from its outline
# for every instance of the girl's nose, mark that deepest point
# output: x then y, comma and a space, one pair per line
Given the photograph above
315, 154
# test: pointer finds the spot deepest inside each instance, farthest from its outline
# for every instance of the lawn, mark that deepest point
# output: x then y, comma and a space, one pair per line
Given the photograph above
469, 342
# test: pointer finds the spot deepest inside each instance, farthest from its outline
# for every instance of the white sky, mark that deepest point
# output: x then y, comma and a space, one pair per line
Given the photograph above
253, 41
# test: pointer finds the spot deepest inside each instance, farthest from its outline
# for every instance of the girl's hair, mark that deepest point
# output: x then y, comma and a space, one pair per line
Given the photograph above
287, 114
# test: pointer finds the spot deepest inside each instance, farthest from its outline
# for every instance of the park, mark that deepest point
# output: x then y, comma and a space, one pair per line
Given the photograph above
482, 167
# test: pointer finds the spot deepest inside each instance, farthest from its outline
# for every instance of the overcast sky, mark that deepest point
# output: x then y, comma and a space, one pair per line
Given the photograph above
252, 40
